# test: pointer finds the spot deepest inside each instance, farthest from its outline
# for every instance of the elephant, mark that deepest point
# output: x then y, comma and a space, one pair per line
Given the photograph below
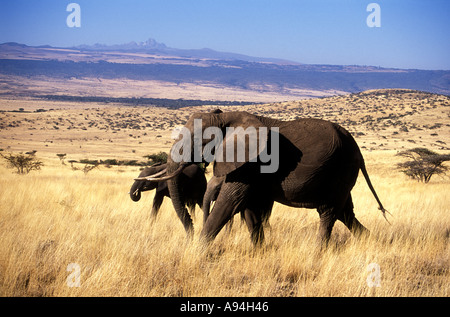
192, 184
211, 194
316, 162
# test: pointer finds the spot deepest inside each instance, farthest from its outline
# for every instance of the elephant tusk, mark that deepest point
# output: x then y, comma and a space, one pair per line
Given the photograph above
136, 192
159, 179
151, 177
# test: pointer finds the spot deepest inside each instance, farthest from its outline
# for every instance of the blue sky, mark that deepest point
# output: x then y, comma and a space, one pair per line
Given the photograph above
413, 34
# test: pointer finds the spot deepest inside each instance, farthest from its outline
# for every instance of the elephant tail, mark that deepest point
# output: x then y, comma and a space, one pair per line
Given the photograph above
369, 183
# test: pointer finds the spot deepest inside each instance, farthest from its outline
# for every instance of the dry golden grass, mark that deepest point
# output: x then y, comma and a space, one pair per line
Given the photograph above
55, 217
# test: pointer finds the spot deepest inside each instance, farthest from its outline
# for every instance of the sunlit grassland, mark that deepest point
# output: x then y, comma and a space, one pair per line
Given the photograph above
54, 217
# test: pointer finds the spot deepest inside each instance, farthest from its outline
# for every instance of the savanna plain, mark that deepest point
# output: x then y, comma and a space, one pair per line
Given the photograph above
67, 233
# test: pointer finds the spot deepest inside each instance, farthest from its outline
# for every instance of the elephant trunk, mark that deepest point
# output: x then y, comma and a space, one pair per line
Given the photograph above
207, 200
178, 201
135, 191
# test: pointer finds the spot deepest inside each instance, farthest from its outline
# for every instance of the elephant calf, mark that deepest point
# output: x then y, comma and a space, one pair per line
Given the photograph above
192, 182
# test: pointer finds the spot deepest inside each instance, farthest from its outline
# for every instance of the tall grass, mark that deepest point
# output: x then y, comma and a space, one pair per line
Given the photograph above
56, 217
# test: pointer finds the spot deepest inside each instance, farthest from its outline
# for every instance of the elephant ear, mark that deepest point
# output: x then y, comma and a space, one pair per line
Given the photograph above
245, 138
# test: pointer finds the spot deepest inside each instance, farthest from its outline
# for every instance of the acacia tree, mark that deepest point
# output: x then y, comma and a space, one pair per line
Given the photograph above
62, 157
24, 163
423, 163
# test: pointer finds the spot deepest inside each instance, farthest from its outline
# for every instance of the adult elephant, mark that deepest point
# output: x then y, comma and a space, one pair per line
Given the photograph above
317, 163
192, 182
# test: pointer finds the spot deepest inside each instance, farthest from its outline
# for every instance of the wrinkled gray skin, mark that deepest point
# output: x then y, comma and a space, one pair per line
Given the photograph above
211, 194
319, 162
192, 184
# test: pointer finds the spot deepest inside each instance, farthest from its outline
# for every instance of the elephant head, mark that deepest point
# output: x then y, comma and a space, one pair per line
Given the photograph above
144, 182
229, 139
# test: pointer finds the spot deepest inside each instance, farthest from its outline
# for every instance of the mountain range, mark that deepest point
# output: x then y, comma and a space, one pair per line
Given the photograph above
151, 46
151, 61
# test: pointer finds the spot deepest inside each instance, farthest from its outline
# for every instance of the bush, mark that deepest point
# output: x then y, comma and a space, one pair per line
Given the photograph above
110, 162
91, 162
423, 163
24, 163
160, 157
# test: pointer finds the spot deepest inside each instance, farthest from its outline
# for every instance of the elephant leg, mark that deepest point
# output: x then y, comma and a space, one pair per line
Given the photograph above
219, 216
206, 204
256, 216
231, 199
211, 193
327, 220
347, 216
191, 207
199, 202
205, 213
255, 227
157, 202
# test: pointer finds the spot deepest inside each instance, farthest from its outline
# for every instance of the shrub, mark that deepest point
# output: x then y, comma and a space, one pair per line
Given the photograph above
87, 168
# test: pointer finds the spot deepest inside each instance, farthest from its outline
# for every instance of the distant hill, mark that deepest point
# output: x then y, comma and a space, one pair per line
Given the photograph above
153, 61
